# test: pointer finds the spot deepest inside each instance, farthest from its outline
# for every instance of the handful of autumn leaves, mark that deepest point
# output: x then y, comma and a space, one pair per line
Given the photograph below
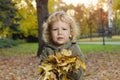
58, 65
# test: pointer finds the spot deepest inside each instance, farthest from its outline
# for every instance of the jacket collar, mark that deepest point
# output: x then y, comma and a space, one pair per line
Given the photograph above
65, 46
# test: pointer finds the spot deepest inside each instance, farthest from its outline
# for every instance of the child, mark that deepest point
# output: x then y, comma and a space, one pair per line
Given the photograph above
59, 32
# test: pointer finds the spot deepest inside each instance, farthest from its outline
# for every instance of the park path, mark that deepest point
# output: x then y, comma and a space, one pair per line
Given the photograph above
100, 66
113, 43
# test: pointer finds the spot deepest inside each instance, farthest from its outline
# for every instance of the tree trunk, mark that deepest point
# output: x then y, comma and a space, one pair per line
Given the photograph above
110, 18
42, 12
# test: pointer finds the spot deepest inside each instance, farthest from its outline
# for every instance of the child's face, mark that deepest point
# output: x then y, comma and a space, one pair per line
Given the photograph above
60, 32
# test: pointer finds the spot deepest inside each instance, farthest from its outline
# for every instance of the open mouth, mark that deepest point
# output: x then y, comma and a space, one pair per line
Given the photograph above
60, 38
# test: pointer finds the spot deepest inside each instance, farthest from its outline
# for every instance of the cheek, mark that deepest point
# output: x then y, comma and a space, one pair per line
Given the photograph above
68, 33
53, 34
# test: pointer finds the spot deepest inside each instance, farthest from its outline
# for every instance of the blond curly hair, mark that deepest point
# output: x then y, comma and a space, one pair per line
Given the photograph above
59, 16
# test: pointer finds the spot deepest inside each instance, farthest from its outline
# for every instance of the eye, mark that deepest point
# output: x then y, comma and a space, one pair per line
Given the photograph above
55, 29
64, 29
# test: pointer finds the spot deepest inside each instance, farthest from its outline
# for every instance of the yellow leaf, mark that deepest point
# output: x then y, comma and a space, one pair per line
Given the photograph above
58, 57
66, 61
80, 63
40, 70
51, 59
67, 68
66, 52
46, 72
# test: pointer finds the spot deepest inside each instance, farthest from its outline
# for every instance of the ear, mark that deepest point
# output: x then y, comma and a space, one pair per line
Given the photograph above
70, 36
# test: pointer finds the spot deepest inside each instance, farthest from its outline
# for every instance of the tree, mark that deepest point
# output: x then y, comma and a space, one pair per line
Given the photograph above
51, 5
42, 13
116, 4
116, 18
28, 24
8, 18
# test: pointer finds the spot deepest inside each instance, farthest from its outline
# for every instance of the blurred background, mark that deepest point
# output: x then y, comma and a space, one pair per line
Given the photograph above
21, 36
96, 18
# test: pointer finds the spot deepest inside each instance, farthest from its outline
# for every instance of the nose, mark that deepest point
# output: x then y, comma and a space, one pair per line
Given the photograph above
59, 31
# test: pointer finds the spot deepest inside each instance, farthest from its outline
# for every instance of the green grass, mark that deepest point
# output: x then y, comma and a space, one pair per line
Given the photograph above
31, 49
22, 49
97, 48
100, 39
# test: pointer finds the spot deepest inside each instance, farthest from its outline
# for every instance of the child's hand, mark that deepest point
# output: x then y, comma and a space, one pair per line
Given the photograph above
53, 76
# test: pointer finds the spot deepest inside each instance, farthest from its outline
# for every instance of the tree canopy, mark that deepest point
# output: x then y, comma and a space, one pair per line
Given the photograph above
20, 16
8, 18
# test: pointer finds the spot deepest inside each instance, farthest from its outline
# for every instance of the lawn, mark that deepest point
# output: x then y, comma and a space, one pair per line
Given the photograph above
31, 48
97, 48
21, 49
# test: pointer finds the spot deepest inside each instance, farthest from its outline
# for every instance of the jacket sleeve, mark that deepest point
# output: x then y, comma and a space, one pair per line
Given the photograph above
77, 51
77, 75
43, 55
